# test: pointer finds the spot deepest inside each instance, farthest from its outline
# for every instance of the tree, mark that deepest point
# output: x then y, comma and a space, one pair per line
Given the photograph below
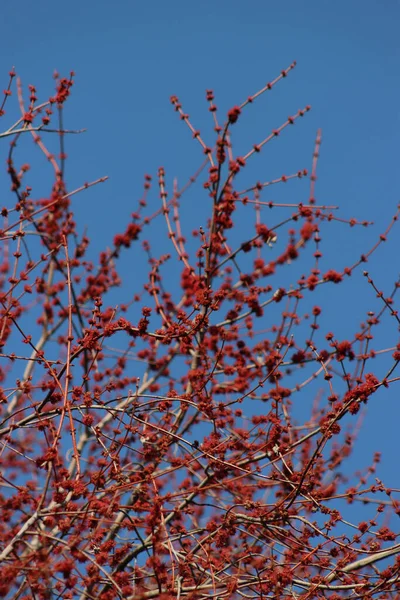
154, 448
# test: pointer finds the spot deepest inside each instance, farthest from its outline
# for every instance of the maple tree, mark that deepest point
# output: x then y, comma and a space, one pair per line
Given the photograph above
152, 448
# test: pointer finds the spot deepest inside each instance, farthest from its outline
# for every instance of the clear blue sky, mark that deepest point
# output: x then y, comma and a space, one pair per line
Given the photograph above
130, 57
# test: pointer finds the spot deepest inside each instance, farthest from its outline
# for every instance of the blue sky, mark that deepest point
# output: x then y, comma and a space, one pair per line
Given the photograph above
130, 57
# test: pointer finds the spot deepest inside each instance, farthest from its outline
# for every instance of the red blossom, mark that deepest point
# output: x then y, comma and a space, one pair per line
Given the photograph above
28, 117
233, 114
333, 276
